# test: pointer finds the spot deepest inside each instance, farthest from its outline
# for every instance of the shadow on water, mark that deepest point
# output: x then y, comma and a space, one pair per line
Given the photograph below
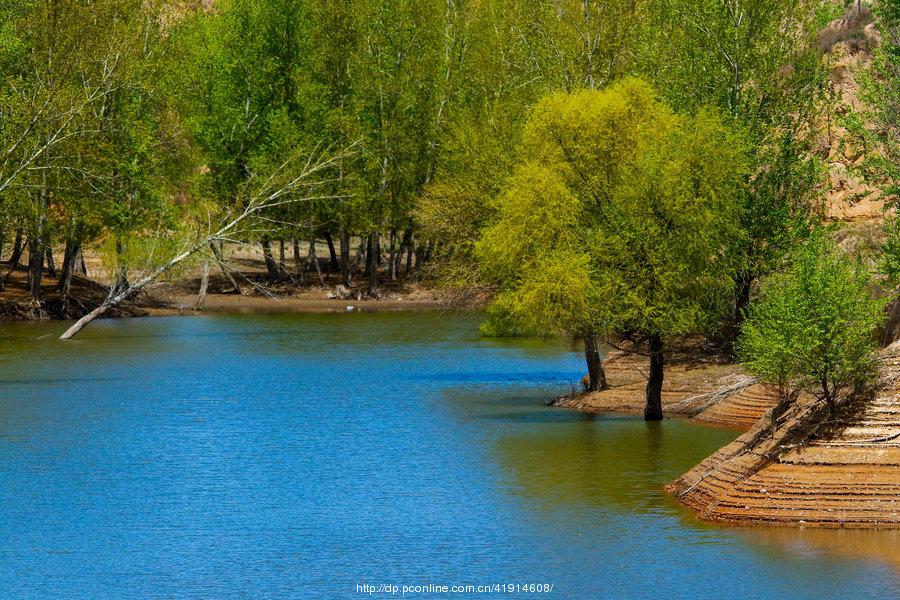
598, 465
618, 464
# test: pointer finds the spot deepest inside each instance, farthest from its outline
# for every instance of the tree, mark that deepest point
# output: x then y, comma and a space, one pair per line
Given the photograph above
58, 59
537, 252
878, 126
812, 330
249, 99
757, 60
639, 202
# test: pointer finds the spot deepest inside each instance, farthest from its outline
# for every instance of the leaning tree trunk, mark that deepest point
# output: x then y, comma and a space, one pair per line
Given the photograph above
345, 258
271, 267
653, 409
596, 374
314, 259
218, 256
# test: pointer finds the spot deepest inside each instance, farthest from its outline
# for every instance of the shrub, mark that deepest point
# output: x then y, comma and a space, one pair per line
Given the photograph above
812, 328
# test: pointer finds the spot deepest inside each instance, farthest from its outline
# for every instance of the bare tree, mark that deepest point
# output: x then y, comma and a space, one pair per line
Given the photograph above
277, 190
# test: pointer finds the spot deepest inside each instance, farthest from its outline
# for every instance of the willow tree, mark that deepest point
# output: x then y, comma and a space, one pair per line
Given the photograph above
537, 251
618, 217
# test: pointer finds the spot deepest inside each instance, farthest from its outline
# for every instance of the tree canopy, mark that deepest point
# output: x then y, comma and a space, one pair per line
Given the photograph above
618, 217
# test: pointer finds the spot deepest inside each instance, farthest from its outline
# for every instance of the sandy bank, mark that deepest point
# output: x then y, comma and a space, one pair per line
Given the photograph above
308, 301
180, 297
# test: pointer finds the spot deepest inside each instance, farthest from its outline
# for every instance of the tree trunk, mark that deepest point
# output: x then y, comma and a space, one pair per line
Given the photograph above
596, 374
410, 251
70, 255
741, 299
334, 267
314, 259
204, 285
392, 256
81, 260
345, 258
369, 253
37, 244
35, 267
18, 247
2, 281
271, 267
404, 247
373, 263
51, 264
360, 254
298, 262
282, 267
420, 256
653, 409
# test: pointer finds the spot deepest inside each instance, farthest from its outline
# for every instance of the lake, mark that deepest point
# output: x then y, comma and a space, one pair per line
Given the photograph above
302, 456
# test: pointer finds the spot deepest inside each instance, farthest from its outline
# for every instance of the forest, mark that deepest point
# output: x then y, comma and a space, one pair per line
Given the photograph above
620, 172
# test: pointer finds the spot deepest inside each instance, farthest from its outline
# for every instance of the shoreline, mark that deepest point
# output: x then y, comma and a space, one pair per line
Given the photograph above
843, 479
180, 298
795, 467
705, 389
307, 303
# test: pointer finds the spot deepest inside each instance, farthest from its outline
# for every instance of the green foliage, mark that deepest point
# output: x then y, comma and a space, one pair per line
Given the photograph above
812, 330
629, 207
877, 126
758, 61
890, 250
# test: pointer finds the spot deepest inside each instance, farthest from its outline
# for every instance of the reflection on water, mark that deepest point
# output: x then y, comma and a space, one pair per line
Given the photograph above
297, 456
615, 463
880, 546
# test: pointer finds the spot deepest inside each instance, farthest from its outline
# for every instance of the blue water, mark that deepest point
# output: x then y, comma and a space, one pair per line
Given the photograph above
301, 456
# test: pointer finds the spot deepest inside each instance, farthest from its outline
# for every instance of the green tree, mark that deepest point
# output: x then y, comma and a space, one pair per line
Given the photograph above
638, 201
878, 126
250, 103
812, 330
757, 61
